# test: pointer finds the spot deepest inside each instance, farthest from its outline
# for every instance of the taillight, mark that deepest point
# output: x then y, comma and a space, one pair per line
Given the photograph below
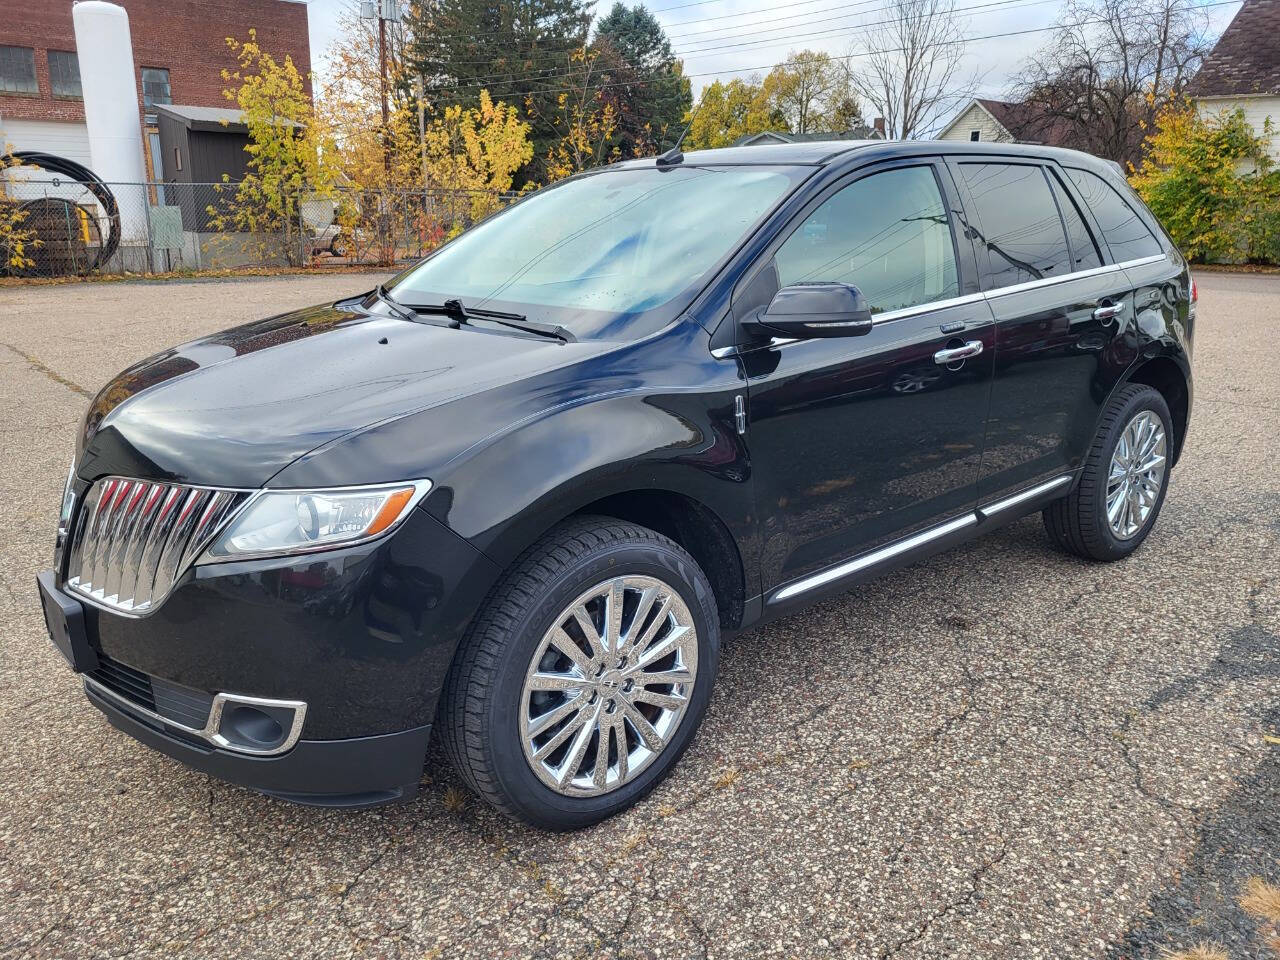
1195, 294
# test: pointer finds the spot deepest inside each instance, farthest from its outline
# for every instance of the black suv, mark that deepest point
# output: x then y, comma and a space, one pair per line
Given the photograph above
520, 493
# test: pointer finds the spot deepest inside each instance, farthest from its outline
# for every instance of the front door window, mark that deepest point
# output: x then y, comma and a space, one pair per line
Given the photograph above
886, 234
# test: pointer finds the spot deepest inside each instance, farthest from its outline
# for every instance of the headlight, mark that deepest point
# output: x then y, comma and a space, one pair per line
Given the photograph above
299, 521
68, 500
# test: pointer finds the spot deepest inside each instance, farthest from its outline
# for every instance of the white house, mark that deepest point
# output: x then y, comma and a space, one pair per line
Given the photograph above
1243, 71
1003, 121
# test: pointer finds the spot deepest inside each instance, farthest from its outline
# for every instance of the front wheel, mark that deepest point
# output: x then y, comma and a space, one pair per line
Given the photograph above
1123, 482
585, 675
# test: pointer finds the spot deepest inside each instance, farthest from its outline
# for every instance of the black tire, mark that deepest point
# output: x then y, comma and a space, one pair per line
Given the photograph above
1078, 522
478, 719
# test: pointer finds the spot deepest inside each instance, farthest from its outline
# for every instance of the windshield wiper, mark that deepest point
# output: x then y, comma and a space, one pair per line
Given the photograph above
458, 313
398, 308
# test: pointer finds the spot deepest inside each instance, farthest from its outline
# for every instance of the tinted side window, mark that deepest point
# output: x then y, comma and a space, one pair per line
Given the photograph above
1018, 222
888, 234
1123, 229
1084, 252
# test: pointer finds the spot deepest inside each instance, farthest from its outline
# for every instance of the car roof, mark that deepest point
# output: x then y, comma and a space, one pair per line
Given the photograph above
810, 153
828, 152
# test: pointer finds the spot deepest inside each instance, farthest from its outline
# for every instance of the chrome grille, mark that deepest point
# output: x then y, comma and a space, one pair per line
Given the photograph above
133, 539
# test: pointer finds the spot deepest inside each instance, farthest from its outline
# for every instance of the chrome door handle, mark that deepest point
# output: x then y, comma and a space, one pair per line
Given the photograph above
1108, 312
952, 354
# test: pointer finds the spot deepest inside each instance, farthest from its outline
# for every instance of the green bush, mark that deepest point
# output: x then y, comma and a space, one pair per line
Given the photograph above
1213, 185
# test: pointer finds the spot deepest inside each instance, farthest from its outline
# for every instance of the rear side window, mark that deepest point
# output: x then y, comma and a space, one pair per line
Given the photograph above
1084, 252
1017, 222
1121, 226
887, 234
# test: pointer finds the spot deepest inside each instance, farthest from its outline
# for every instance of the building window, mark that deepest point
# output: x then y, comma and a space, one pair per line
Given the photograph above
18, 70
177, 159
64, 74
155, 86
975, 135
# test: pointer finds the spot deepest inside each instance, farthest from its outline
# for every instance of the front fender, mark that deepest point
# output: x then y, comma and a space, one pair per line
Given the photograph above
510, 462
502, 496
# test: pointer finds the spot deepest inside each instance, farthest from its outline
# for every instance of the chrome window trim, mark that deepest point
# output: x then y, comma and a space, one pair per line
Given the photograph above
209, 732
889, 316
1053, 281
1142, 261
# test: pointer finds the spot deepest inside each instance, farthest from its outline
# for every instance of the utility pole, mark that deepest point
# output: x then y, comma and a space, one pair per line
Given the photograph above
384, 11
420, 84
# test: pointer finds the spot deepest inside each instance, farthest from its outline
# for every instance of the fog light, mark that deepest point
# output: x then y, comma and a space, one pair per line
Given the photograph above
255, 725
252, 728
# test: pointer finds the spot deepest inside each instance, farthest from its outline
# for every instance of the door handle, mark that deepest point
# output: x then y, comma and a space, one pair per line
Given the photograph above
1108, 312
952, 354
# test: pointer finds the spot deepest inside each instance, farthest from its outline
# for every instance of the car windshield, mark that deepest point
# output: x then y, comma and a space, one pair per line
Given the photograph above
606, 255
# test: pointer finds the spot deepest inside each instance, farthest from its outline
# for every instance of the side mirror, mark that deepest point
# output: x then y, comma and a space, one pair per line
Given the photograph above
815, 310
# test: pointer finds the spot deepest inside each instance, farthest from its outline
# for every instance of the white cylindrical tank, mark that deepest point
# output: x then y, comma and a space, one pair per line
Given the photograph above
104, 47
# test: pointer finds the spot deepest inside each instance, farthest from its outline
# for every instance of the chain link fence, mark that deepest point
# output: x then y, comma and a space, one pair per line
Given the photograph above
195, 227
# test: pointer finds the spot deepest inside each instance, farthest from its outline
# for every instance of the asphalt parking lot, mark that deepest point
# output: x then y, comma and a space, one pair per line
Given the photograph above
1001, 753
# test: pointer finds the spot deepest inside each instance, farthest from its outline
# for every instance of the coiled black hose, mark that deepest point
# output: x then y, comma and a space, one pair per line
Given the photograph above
91, 182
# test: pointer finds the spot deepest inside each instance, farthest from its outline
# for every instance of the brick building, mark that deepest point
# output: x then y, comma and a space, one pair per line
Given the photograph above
179, 51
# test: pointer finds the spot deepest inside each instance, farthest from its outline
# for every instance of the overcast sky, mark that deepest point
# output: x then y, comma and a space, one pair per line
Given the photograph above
754, 34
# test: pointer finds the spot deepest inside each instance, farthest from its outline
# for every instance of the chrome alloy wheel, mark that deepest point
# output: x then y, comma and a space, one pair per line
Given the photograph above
1136, 474
608, 685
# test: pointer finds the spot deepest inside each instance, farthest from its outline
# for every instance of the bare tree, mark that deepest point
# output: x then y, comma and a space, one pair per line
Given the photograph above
1111, 66
909, 68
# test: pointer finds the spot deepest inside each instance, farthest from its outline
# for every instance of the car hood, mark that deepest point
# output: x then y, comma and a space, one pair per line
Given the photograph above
235, 408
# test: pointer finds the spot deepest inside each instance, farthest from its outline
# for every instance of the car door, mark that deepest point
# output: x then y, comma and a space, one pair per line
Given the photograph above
1062, 319
856, 441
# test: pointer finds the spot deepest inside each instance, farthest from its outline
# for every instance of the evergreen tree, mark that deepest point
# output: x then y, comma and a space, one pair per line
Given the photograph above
642, 78
519, 50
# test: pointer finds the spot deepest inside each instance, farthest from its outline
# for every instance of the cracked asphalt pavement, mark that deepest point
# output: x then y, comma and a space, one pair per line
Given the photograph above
1003, 752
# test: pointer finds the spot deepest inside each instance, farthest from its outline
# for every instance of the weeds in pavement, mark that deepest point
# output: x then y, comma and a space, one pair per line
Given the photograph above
1203, 951
455, 800
1261, 900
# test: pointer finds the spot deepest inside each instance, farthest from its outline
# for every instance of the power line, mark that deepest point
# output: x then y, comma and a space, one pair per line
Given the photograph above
683, 23
689, 53
554, 74
788, 16
742, 40
847, 57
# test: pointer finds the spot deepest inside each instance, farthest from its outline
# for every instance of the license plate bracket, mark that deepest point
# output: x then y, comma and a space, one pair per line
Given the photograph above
64, 619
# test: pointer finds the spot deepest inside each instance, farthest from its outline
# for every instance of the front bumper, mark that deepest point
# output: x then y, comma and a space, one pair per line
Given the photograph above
355, 644
357, 772
364, 635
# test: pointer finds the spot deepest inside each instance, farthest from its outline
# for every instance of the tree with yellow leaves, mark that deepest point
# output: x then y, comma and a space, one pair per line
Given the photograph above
378, 166
17, 240
405, 190
476, 151
286, 148
584, 121
1213, 185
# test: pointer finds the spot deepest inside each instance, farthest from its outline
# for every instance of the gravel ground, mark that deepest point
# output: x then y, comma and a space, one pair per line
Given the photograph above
1002, 752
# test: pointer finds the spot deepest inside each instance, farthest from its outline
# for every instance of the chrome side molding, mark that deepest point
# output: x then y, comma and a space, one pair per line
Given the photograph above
873, 558
1000, 505
899, 547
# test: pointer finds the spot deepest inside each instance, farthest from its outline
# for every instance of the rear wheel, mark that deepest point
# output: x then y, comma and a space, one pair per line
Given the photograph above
585, 675
1123, 483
